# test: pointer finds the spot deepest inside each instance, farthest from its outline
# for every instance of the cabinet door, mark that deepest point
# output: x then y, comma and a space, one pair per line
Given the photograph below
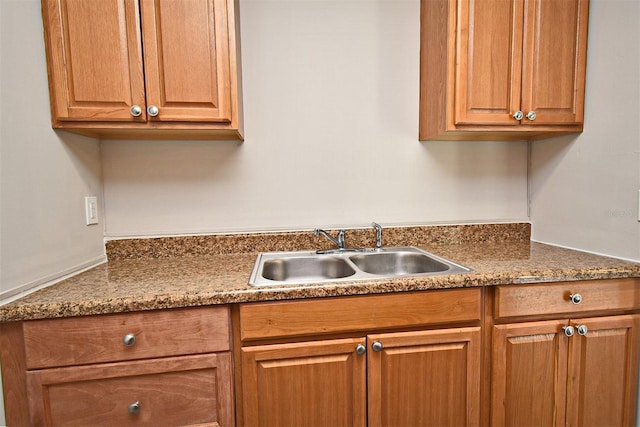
187, 63
425, 378
320, 383
489, 61
555, 48
529, 371
94, 58
188, 390
603, 372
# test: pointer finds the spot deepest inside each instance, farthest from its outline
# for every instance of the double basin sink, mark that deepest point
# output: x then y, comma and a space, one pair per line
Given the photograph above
286, 268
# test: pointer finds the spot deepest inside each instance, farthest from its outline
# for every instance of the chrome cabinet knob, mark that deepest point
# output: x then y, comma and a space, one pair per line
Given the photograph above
134, 408
129, 340
531, 115
153, 111
582, 330
568, 330
135, 110
518, 115
360, 349
575, 298
377, 346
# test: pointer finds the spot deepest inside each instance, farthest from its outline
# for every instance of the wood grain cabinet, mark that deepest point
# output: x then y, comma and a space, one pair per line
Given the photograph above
568, 369
171, 367
502, 69
144, 68
429, 376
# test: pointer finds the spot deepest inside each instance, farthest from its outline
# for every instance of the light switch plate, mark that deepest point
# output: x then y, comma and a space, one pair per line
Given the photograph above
91, 209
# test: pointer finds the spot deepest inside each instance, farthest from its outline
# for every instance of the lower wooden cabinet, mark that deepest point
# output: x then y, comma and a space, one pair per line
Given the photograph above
164, 367
572, 371
429, 378
189, 390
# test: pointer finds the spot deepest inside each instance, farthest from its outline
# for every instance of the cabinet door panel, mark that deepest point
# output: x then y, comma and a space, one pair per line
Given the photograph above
425, 378
320, 383
603, 371
489, 61
555, 46
528, 378
187, 59
95, 59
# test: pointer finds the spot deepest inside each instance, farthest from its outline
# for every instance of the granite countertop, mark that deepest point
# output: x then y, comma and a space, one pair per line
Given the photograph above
134, 280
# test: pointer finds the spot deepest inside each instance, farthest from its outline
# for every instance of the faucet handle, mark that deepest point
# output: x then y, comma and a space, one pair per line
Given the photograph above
378, 229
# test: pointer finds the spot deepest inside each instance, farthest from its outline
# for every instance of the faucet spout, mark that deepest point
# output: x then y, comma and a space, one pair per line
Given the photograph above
378, 229
338, 240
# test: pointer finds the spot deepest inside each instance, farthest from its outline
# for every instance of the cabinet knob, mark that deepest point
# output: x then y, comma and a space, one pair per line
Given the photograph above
568, 330
582, 330
360, 349
518, 115
575, 298
135, 110
129, 340
134, 408
377, 346
531, 115
153, 111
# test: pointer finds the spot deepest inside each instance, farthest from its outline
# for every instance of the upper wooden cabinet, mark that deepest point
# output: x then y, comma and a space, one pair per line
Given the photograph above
144, 68
502, 69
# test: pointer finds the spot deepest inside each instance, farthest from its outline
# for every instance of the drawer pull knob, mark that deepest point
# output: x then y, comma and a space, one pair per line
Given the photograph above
518, 115
360, 349
134, 408
582, 330
377, 346
575, 298
568, 330
129, 340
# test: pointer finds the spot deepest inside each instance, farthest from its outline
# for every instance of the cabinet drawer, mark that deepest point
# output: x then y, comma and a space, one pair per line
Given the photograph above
359, 313
98, 339
554, 298
188, 390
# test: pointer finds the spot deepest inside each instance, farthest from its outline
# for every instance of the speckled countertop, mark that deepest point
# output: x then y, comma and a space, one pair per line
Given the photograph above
147, 274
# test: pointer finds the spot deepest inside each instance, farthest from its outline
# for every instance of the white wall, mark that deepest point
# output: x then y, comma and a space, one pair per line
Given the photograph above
331, 113
43, 176
584, 189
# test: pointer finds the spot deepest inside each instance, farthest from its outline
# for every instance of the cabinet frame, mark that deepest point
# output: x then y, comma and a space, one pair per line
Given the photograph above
448, 77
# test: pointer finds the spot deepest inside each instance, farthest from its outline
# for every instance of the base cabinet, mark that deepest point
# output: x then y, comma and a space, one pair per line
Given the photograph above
571, 371
165, 367
395, 379
380, 375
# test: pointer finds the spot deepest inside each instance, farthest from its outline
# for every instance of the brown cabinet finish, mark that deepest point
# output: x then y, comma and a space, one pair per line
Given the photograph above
429, 376
565, 369
483, 62
107, 59
425, 378
318, 383
79, 371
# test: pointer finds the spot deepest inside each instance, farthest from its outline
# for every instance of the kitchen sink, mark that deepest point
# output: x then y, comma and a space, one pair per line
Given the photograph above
286, 268
306, 268
398, 263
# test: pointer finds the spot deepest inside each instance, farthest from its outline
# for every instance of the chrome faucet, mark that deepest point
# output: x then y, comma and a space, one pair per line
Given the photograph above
378, 229
338, 240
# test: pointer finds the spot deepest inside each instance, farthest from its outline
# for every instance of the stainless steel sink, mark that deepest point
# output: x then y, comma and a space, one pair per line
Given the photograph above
286, 268
398, 263
306, 268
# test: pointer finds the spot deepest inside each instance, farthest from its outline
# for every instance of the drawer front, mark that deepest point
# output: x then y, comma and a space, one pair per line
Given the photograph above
359, 313
555, 298
98, 339
189, 390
